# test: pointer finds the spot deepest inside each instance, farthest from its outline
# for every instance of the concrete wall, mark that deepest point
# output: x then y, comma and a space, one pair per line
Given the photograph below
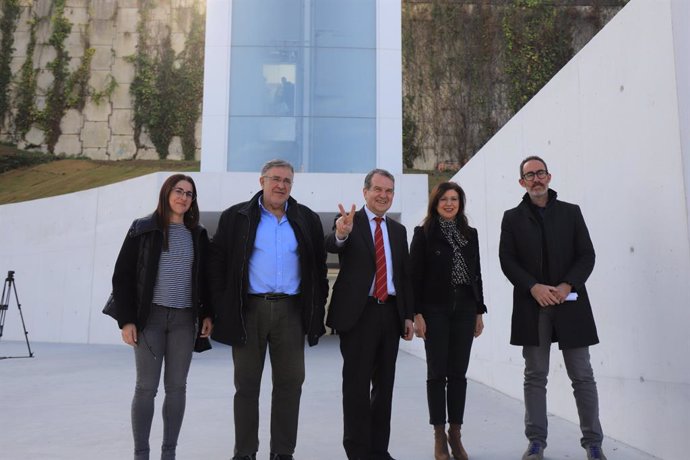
613, 127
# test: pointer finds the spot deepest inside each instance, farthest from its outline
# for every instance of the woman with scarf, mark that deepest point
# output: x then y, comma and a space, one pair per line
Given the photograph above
449, 304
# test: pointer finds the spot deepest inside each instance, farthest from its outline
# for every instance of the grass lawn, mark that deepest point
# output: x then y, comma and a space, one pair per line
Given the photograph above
59, 176
28, 176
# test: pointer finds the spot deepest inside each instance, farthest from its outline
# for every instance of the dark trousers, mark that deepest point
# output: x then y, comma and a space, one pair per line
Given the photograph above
369, 351
449, 336
275, 325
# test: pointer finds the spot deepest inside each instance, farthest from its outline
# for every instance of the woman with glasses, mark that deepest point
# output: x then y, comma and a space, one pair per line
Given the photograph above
158, 290
449, 304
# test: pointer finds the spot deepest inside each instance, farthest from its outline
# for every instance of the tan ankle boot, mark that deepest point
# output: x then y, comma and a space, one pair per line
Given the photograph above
455, 443
440, 443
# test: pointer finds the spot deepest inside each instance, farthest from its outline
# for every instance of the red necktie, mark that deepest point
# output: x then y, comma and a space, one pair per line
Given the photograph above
380, 285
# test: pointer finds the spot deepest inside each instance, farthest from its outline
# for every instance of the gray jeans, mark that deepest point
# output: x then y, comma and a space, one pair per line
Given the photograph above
168, 336
581, 375
276, 326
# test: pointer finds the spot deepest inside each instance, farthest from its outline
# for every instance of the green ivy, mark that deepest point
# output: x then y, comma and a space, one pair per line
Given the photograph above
26, 91
56, 98
538, 44
99, 96
167, 89
191, 85
449, 78
78, 83
162, 123
8, 24
68, 90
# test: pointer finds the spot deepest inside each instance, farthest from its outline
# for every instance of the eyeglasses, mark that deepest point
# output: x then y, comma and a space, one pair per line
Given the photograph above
542, 173
180, 193
279, 180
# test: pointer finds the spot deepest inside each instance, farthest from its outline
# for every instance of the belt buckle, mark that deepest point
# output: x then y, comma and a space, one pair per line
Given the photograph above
273, 297
380, 302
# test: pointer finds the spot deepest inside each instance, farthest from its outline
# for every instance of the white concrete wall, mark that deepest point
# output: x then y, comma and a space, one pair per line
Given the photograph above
681, 39
215, 116
63, 249
613, 128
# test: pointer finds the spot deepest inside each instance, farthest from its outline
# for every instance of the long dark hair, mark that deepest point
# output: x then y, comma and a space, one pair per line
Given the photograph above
190, 218
432, 212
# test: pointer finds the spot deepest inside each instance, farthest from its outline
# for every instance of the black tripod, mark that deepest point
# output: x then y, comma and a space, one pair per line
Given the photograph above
4, 305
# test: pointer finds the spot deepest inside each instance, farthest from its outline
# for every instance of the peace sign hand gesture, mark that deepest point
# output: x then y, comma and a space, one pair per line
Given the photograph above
343, 225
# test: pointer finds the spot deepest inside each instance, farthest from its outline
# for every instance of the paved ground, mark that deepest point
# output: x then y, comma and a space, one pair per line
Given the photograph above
72, 402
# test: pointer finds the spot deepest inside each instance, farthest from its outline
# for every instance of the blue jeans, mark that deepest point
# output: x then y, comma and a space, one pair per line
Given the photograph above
581, 375
168, 336
276, 326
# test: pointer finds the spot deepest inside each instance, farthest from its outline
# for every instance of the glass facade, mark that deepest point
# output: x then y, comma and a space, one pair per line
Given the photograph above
303, 84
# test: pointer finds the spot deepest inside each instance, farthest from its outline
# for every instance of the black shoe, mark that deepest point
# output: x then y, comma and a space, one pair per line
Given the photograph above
244, 457
281, 457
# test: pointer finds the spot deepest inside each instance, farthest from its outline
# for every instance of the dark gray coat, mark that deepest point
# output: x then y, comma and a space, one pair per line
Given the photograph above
570, 259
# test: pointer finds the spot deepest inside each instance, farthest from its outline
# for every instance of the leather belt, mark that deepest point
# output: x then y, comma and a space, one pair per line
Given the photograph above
390, 299
273, 296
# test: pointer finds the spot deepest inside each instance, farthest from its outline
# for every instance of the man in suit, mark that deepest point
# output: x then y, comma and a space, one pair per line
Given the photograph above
371, 308
267, 274
547, 254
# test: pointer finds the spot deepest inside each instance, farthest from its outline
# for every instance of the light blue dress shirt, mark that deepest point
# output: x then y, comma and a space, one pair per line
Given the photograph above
274, 263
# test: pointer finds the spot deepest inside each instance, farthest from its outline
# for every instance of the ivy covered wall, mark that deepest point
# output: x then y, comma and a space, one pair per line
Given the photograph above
105, 79
117, 79
468, 66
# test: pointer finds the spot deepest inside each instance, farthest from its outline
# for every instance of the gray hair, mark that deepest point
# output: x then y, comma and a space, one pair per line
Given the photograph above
532, 158
276, 163
381, 172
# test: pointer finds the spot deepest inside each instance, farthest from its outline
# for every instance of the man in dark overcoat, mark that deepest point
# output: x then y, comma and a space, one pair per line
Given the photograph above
547, 254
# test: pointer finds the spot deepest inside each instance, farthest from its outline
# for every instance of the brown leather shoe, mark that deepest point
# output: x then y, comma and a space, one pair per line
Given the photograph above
440, 443
455, 443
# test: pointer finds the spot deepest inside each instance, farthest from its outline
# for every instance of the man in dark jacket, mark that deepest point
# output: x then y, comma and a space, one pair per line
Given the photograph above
371, 308
547, 255
267, 275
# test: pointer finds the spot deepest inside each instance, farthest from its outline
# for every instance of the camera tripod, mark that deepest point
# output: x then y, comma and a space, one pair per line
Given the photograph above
8, 287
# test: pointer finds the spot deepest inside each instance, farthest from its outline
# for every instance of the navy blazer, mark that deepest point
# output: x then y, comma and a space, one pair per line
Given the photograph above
358, 269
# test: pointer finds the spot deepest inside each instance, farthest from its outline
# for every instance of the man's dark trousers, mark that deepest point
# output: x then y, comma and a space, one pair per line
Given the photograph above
370, 348
276, 325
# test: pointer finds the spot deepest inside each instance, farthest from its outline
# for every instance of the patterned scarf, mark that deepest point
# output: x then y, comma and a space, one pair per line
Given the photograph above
459, 274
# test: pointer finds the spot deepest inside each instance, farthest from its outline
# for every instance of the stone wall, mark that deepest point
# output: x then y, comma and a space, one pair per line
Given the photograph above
104, 127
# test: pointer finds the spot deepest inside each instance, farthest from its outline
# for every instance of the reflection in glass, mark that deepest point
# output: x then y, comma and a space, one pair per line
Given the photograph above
303, 84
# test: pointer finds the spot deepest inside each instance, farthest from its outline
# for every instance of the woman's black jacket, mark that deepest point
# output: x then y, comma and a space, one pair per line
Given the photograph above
136, 271
431, 257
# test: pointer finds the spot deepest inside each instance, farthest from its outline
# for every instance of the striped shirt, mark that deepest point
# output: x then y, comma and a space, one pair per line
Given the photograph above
174, 281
